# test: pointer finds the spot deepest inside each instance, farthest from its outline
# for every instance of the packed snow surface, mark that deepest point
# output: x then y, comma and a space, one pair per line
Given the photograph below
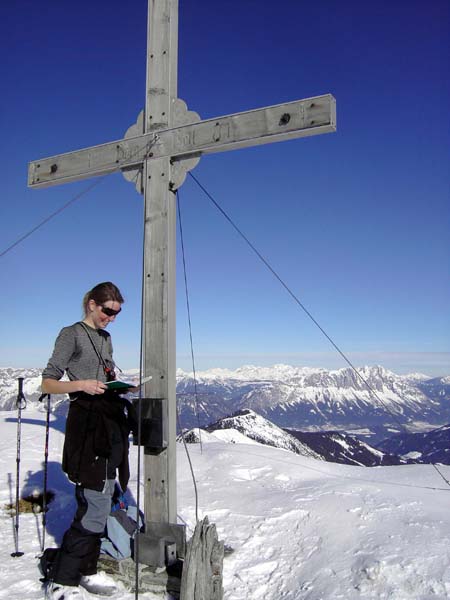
300, 528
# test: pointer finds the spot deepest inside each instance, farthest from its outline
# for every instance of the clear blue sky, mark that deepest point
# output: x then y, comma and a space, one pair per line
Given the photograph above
355, 222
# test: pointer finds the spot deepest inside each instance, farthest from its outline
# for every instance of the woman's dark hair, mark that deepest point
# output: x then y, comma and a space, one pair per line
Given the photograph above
101, 293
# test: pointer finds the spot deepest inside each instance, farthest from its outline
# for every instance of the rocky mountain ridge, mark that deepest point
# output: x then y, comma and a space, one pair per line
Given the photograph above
300, 398
330, 446
335, 446
316, 399
262, 431
430, 447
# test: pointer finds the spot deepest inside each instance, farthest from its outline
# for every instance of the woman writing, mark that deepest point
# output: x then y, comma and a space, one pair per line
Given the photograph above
96, 438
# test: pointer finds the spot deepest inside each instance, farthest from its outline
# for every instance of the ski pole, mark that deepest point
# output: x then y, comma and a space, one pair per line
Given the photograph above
44, 499
21, 403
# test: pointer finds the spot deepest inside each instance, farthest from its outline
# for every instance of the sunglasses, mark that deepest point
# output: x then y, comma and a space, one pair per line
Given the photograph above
109, 312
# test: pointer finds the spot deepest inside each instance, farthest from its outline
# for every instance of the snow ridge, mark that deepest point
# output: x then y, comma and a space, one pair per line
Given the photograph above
261, 430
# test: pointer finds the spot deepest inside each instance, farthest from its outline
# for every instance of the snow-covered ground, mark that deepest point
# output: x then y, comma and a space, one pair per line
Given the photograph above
300, 528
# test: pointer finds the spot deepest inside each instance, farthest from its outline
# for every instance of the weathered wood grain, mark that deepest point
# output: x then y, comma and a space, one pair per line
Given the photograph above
203, 566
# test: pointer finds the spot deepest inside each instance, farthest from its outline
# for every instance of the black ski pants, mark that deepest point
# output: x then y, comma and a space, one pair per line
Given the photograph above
80, 547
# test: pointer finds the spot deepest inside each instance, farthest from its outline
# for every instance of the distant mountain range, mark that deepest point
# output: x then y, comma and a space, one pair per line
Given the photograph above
304, 399
315, 412
9, 386
316, 399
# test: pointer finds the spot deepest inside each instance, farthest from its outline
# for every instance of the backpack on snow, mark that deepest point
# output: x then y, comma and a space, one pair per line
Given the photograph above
120, 528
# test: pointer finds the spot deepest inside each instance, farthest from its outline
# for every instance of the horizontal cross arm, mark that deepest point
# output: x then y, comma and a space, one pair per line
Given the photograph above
90, 162
300, 118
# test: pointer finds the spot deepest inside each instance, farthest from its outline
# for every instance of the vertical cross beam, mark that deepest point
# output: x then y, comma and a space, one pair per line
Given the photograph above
159, 260
168, 130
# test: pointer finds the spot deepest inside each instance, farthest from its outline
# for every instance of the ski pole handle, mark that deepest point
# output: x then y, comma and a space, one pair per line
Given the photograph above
21, 401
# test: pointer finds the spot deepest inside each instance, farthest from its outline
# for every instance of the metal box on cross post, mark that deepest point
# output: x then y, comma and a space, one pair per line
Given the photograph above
153, 426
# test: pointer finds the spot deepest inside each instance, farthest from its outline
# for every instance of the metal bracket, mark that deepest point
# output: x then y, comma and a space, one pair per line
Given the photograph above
161, 544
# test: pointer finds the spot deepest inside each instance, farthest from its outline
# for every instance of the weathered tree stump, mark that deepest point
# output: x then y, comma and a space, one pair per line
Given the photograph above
202, 571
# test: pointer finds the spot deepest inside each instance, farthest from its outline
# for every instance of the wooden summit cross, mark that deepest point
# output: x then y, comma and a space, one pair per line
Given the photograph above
156, 153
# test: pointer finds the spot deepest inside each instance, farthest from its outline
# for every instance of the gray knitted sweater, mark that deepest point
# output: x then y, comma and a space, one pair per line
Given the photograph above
75, 355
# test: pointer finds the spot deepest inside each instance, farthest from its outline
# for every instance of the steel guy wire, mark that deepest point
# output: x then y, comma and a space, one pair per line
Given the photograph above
53, 214
286, 287
193, 363
190, 466
148, 146
189, 316
302, 306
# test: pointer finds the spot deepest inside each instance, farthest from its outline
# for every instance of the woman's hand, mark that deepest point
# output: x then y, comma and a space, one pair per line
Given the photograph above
92, 387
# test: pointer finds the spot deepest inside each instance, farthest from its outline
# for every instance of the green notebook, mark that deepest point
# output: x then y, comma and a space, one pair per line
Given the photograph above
119, 385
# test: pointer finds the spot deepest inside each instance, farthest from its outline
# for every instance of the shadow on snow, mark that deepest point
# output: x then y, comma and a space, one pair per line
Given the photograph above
61, 509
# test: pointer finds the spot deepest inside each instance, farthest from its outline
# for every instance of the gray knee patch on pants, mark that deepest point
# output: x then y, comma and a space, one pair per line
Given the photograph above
99, 507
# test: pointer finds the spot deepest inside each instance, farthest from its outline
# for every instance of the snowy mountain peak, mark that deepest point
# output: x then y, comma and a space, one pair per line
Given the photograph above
261, 430
418, 377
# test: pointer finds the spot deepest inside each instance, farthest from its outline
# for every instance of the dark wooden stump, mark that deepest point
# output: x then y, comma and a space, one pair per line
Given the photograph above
202, 571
